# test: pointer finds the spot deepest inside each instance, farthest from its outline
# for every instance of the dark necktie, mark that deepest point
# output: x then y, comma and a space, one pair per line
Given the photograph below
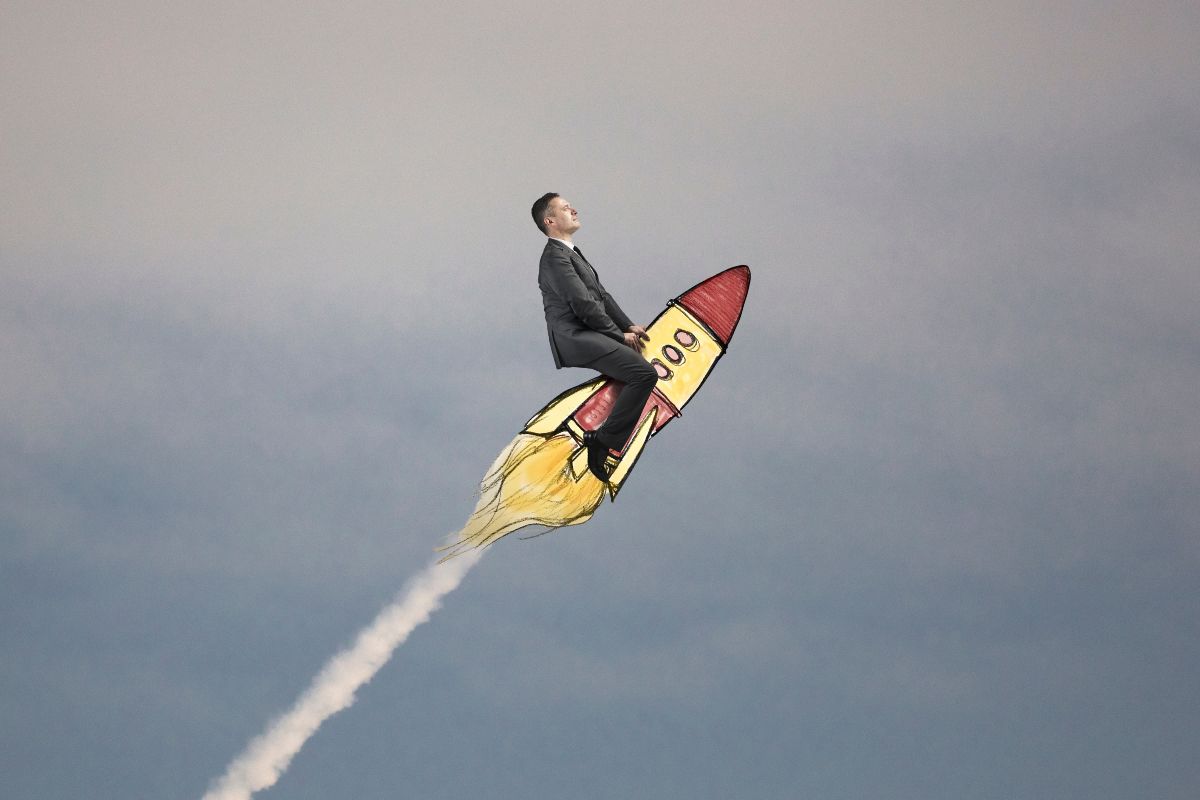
595, 274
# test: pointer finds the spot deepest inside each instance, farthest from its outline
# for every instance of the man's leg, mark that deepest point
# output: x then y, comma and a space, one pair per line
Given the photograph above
628, 366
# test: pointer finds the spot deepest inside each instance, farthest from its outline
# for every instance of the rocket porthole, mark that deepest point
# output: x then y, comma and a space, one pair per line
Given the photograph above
663, 372
672, 354
687, 339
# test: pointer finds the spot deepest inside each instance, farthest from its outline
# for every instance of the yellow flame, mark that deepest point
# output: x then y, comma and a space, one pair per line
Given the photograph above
530, 483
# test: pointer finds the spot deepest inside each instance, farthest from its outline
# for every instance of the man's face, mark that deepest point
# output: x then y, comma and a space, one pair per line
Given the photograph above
562, 218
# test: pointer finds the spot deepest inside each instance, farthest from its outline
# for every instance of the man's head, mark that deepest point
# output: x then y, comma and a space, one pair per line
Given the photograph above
555, 217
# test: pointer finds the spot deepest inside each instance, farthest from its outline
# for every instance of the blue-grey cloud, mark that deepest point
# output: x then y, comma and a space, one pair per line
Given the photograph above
268, 307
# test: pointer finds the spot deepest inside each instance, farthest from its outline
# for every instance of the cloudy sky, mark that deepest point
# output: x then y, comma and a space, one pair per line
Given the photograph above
268, 310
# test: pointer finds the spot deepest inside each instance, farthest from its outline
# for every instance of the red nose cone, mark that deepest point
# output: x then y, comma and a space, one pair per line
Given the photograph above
718, 301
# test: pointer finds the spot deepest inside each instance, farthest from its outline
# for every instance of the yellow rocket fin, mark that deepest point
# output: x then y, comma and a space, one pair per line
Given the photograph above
551, 418
632, 453
579, 463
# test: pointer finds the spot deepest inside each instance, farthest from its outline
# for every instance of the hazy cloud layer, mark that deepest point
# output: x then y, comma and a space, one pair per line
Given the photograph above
269, 310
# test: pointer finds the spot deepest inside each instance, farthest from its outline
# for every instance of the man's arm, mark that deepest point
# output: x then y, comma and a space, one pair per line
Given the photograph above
634, 334
566, 284
618, 316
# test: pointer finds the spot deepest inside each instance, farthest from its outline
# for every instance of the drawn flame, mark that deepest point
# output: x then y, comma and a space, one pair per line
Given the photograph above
530, 483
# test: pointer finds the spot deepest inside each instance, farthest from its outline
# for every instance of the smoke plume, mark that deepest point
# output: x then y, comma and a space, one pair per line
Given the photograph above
266, 757
530, 483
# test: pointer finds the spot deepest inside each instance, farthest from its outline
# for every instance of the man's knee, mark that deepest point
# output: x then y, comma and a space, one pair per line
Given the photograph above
645, 374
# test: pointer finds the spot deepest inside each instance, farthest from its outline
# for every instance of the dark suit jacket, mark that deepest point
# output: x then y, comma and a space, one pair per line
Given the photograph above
582, 319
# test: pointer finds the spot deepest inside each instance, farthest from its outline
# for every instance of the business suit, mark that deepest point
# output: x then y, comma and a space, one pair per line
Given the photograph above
587, 328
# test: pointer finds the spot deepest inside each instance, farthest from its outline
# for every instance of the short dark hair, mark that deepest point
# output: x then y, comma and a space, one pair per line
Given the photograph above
539, 210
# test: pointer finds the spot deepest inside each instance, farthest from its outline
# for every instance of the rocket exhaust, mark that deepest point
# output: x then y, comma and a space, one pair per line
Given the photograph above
531, 483
540, 478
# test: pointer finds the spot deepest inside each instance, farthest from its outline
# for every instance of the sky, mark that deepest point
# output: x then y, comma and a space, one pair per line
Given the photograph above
268, 311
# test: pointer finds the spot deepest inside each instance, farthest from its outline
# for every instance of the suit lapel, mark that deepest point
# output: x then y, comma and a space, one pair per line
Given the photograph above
581, 264
587, 266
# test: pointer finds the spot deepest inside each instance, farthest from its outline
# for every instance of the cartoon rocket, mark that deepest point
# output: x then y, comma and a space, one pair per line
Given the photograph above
542, 478
686, 341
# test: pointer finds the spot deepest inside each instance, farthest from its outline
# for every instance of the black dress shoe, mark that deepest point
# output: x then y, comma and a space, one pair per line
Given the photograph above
597, 451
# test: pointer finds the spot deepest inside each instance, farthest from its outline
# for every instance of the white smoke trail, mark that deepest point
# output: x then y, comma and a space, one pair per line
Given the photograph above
266, 757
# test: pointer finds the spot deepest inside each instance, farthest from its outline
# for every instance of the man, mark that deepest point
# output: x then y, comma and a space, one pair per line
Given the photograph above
588, 329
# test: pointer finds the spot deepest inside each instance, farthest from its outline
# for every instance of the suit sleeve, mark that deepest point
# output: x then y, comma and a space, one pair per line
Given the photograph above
618, 316
566, 284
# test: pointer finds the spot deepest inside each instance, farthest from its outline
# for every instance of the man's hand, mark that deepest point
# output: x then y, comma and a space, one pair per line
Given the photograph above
635, 336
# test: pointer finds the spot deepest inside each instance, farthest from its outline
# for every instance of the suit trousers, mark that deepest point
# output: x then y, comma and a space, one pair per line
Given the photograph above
629, 367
